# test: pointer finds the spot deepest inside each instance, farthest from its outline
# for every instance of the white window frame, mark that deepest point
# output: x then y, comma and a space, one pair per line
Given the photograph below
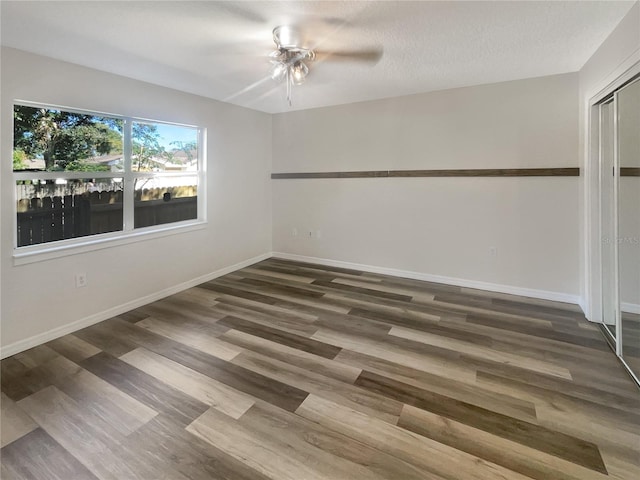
129, 234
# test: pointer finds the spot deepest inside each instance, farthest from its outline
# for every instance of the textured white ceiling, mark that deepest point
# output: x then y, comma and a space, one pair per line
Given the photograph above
219, 49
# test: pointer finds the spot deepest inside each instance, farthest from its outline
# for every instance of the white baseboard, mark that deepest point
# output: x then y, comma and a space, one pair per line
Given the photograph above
583, 306
44, 337
459, 282
630, 307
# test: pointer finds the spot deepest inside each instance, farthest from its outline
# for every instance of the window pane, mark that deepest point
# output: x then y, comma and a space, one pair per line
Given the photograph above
51, 210
158, 147
56, 140
162, 200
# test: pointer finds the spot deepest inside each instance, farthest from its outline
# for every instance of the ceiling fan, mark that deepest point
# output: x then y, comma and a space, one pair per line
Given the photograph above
290, 61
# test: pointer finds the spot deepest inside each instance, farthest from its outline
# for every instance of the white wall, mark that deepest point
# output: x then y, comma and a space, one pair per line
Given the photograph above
39, 297
619, 52
438, 226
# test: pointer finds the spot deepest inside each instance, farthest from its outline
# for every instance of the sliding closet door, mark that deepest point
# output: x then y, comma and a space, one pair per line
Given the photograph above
608, 216
628, 126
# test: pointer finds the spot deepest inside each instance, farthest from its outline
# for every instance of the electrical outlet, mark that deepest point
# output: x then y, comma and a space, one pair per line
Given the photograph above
294, 232
81, 280
493, 252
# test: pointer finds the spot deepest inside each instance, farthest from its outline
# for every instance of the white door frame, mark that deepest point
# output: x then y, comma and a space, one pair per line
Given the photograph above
592, 304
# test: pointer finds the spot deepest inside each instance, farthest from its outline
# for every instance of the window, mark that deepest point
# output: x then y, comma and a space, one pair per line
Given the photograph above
80, 174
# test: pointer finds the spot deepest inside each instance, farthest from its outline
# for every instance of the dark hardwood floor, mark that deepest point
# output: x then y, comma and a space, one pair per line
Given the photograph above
294, 371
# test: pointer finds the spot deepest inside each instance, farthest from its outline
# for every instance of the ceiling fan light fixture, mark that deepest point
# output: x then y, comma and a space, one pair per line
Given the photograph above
279, 71
299, 72
288, 60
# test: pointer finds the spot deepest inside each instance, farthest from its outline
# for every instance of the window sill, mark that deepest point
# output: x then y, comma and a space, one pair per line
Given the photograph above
43, 252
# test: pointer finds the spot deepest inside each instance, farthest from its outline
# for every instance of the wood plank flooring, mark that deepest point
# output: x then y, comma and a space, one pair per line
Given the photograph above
286, 370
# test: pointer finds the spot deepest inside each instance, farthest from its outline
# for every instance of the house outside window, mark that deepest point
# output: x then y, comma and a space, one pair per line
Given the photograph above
83, 176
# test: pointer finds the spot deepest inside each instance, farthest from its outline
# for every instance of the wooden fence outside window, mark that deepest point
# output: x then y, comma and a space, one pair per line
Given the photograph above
51, 218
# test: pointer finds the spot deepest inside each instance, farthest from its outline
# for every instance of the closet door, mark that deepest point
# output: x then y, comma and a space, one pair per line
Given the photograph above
608, 216
628, 149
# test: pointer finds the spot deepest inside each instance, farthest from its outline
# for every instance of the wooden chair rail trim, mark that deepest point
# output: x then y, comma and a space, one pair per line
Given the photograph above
630, 171
481, 172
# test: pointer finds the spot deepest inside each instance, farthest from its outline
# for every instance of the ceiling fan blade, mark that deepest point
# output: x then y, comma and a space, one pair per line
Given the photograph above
368, 56
241, 12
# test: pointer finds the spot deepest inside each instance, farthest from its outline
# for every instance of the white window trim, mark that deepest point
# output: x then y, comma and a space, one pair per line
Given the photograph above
50, 250
101, 241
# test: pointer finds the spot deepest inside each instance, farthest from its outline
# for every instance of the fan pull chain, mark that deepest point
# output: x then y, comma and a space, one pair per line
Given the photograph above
289, 85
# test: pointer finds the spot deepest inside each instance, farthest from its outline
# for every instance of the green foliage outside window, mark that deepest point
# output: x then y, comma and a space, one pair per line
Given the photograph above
19, 160
64, 140
56, 140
